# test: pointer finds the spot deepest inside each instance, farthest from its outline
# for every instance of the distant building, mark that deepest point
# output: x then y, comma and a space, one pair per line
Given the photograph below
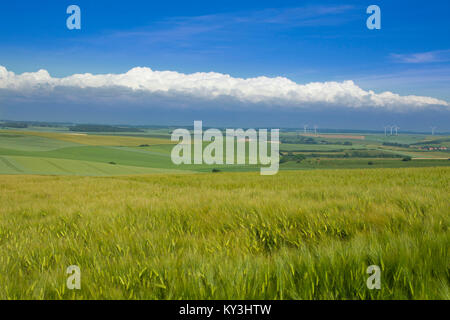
430, 148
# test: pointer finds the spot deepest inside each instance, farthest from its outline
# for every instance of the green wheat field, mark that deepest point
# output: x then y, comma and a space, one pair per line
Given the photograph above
141, 228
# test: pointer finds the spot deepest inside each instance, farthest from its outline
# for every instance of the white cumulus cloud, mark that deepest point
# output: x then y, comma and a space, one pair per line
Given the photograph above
209, 86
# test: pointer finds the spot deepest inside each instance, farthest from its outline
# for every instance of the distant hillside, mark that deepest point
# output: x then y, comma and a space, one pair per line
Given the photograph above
18, 125
102, 128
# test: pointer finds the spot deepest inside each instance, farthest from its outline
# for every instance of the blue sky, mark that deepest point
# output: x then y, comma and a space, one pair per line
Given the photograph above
304, 41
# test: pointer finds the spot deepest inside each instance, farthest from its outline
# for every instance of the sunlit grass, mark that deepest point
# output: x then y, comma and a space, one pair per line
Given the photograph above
296, 235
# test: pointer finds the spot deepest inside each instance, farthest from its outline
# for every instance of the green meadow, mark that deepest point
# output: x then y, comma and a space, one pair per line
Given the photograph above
297, 235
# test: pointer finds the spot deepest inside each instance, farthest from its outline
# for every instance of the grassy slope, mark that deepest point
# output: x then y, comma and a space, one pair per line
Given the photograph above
141, 158
303, 234
55, 153
55, 166
47, 152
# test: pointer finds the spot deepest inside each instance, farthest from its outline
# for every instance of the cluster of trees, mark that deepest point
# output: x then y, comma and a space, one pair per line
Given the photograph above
309, 140
369, 154
298, 140
394, 144
27, 124
101, 128
433, 142
292, 157
352, 154
19, 125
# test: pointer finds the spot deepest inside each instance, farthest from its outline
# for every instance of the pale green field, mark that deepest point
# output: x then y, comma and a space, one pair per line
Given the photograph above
54, 166
27, 142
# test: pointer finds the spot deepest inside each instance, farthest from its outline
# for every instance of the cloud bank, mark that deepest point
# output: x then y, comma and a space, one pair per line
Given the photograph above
208, 87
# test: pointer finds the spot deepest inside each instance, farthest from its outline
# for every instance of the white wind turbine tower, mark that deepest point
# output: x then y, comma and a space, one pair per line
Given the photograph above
385, 130
315, 130
396, 130
432, 130
305, 128
392, 127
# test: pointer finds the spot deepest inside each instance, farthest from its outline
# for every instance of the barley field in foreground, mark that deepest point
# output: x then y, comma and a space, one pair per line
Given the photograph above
296, 235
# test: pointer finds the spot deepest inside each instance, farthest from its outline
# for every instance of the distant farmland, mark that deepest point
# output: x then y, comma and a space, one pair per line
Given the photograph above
335, 136
146, 152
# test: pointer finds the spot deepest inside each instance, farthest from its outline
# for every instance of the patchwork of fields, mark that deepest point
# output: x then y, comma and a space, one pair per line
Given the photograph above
63, 153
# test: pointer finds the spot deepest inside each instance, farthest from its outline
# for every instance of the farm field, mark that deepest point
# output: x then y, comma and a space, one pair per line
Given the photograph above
296, 235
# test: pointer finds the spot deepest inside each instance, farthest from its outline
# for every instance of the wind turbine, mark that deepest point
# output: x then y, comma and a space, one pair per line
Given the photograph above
432, 130
305, 128
385, 130
396, 130
315, 130
392, 127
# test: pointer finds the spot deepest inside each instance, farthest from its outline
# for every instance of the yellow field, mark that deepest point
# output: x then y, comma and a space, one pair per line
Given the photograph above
95, 140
